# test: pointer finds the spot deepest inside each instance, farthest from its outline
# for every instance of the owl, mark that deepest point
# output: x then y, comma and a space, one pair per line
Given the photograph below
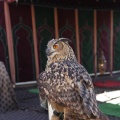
67, 85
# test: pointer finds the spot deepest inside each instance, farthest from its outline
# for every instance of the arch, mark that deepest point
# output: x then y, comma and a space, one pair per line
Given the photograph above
25, 69
45, 33
68, 31
103, 43
87, 47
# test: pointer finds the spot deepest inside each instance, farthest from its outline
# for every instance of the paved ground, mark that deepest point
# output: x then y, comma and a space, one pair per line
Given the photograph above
29, 105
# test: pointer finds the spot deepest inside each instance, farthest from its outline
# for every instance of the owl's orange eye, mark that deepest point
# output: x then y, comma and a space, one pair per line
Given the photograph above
55, 46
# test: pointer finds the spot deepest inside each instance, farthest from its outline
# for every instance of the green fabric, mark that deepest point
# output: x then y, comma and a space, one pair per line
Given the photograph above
110, 109
116, 58
85, 18
35, 90
86, 39
45, 31
43, 16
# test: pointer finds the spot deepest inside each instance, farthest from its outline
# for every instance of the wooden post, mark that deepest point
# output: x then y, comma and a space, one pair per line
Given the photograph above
35, 40
56, 23
95, 42
9, 41
77, 34
111, 42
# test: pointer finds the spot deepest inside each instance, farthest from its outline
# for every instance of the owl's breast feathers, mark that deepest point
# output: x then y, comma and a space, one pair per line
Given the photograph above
69, 84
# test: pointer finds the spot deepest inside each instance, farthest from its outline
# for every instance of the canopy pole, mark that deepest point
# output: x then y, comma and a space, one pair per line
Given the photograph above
9, 41
56, 23
77, 34
95, 42
35, 40
111, 42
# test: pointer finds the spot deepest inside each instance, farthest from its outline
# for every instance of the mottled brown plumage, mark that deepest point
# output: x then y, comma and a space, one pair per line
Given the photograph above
67, 85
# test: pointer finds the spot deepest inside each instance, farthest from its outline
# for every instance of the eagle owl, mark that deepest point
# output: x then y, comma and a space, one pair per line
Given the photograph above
67, 85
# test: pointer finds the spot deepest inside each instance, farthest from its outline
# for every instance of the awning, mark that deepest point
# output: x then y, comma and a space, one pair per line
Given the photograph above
85, 4
10, 1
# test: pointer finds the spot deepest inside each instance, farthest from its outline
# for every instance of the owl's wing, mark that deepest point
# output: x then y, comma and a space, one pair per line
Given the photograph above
42, 95
80, 81
70, 85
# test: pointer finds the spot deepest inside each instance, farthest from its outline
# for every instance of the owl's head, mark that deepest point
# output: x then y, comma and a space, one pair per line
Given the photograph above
59, 48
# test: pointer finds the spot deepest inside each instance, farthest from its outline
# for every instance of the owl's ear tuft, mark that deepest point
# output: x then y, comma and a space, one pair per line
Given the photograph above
64, 40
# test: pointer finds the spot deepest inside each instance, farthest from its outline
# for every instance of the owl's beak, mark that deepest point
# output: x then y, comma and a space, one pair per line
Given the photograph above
48, 53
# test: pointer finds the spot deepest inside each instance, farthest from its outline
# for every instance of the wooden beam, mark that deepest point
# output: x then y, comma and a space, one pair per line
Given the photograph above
9, 41
56, 23
77, 35
35, 40
95, 42
111, 42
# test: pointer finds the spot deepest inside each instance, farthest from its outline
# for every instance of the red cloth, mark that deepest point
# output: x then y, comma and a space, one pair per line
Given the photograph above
107, 83
21, 23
